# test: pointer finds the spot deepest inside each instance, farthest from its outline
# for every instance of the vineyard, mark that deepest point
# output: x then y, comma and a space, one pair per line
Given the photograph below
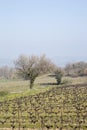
60, 108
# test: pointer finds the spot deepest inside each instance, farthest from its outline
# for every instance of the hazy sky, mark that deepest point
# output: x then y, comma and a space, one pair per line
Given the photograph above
53, 27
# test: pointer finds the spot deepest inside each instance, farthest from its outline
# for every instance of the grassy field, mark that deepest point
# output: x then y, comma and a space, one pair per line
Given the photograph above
17, 88
46, 106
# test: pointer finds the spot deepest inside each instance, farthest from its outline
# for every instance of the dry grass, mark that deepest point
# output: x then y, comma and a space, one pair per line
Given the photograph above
13, 86
21, 86
75, 80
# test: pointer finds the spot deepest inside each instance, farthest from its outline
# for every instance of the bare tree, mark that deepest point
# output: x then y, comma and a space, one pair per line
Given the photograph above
7, 72
76, 69
31, 67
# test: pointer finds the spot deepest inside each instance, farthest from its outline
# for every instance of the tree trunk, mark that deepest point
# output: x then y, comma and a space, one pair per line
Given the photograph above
31, 83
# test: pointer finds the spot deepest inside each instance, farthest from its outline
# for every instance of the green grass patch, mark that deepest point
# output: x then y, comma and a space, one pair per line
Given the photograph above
3, 93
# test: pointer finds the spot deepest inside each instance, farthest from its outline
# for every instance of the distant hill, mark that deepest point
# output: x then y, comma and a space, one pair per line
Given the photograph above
62, 61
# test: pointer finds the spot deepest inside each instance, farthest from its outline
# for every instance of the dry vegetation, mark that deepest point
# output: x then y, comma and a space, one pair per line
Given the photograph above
61, 107
58, 108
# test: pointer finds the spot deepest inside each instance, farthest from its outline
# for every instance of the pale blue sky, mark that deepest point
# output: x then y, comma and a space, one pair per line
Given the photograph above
54, 27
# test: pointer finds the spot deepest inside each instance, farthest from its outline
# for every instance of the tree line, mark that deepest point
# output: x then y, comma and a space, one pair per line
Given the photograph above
30, 67
76, 69
7, 72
